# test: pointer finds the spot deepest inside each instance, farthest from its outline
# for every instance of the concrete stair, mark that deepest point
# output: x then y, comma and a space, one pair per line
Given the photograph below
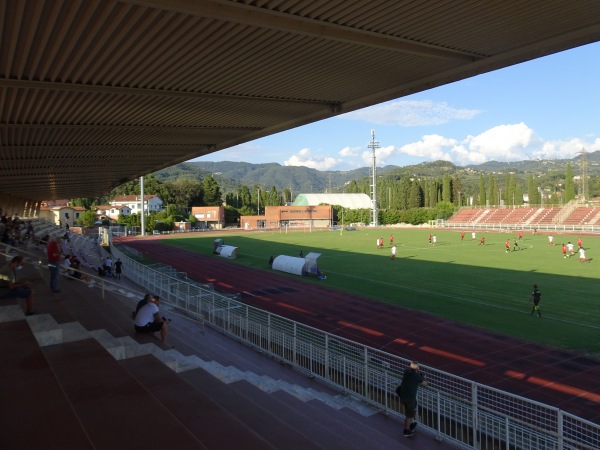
48, 332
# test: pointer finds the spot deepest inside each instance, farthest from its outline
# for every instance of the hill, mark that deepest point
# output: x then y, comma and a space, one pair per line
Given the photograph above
230, 175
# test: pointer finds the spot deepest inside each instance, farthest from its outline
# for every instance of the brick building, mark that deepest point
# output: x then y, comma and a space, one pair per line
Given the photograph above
291, 217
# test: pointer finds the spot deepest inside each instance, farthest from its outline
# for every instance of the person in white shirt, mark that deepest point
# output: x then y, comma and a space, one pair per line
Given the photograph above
582, 257
149, 320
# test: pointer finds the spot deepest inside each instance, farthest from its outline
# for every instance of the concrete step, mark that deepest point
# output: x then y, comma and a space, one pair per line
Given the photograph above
205, 416
114, 409
48, 332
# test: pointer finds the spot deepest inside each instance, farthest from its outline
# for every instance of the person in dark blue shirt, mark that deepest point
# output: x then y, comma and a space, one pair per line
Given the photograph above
411, 380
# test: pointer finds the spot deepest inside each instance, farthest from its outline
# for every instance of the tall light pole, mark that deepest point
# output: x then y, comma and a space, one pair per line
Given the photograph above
373, 145
258, 198
500, 197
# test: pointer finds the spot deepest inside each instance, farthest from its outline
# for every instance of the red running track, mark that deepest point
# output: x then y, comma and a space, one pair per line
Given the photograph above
559, 378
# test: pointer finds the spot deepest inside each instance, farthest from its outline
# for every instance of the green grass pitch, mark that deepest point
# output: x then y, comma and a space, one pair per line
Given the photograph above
457, 279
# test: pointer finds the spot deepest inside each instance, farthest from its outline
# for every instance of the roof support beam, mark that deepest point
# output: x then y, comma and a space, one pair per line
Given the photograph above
261, 17
74, 87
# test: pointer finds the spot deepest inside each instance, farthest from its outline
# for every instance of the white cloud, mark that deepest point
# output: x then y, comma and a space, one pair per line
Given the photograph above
501, 143
411, 113
565, 149
382, 154
305, 158
348, 152
431, 147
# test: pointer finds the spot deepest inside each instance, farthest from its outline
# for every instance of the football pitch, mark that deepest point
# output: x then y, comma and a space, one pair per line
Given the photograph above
456, 278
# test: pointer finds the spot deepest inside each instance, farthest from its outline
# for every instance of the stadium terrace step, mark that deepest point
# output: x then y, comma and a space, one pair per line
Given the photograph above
282, 420
25, 378
48, 332
115, 410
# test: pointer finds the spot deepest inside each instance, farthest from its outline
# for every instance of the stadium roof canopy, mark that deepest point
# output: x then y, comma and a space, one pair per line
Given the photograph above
98, 92
350, 201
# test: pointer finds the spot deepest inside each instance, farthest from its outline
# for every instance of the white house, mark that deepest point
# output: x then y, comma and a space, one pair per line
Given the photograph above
112, 212
134, 203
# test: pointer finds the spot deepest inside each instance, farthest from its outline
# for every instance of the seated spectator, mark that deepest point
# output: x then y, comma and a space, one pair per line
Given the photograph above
10, 287
149, 320
67, 265
77, 273
139, 305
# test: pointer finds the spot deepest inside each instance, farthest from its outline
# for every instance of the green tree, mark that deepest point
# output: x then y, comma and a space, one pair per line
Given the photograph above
273, 198
446, 189
532, 191
444, 210
569, 184
457, 191
415, 199
482, 198
212, 193
88, 218
519, 195
492, 198
433, 193
186, 193
404, 192
510, 190
287, 195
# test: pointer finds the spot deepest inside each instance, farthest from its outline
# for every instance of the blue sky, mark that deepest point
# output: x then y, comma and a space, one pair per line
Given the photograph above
546, 108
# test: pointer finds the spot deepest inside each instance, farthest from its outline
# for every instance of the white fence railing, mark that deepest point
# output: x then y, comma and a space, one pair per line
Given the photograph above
553, 227
461, 411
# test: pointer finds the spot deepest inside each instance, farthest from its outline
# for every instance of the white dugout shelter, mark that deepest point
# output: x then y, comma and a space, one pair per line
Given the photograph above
296, 265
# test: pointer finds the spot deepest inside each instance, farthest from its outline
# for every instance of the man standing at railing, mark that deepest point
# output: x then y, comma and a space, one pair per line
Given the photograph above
411, 380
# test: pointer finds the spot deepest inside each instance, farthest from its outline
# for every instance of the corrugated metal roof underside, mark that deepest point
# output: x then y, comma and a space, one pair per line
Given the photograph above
96, 93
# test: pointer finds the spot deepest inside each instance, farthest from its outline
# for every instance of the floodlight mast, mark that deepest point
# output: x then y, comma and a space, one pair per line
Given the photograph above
374, 145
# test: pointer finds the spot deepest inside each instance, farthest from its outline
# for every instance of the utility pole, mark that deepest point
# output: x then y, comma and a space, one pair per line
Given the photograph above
374, 145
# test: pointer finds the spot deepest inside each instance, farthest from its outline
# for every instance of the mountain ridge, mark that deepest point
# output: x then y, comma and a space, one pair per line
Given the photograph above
230, 174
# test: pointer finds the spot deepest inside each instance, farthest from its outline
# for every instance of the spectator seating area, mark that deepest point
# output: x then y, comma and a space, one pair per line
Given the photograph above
77, 369
583, 215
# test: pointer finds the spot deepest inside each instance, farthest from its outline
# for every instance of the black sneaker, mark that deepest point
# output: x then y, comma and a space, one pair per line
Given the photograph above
408, 433
413, 426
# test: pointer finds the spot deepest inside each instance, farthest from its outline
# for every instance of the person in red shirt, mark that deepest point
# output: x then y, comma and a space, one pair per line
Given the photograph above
391, 240
507, 245
579, 242
482, 241
564, 250
520, 235
462, 235
54, 262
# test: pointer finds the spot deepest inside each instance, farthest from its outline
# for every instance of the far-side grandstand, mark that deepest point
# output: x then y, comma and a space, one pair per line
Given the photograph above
565, 218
